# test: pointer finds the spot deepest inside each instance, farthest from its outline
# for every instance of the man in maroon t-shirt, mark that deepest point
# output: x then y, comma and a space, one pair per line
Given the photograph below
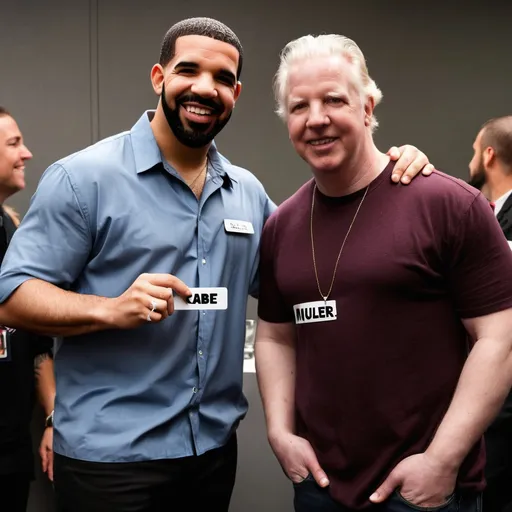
372, 297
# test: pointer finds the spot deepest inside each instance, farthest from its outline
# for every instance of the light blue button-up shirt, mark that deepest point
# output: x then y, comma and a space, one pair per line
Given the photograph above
99, 219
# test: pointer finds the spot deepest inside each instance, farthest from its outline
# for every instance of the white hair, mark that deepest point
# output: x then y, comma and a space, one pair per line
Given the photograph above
308, 47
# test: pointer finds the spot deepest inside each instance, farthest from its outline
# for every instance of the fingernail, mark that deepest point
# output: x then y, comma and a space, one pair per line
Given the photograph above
406, 179
324, 482
374, 496
395, 178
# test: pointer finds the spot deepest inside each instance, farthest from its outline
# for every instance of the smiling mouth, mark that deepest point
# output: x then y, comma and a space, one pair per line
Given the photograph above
202, 111
321, 142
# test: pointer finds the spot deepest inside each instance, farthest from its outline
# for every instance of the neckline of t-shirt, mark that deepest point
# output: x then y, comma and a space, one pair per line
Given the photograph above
330, 200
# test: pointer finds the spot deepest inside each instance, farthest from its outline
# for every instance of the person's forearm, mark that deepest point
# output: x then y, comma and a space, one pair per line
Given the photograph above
275, 369
483, 385
43, 308
45, 382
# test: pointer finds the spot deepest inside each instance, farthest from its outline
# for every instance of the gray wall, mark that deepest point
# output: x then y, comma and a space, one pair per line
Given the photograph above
76, 71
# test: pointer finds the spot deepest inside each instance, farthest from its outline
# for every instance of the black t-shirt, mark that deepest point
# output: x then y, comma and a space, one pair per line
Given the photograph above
18, 349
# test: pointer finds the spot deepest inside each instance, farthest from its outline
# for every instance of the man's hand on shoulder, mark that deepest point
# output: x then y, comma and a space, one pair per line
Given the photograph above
409, 162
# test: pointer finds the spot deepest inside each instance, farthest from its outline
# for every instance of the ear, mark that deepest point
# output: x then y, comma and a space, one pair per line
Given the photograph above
368, 110
488, 157
238, 90
157, 78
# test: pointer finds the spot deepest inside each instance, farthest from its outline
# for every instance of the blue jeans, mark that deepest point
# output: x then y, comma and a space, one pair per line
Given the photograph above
310, 497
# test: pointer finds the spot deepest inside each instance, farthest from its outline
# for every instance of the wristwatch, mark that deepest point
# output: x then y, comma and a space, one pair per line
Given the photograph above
49, 421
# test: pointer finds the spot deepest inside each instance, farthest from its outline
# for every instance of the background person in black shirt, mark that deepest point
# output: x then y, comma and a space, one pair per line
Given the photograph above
26, 366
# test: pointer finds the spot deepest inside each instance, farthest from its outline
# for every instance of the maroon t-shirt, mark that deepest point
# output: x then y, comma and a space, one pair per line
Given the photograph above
373, 385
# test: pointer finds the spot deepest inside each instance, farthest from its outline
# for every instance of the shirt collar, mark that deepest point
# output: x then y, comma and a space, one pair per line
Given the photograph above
498, 204
147, 153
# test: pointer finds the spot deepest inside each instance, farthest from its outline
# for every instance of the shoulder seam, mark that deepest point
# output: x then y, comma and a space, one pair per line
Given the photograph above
74, 187
457, 181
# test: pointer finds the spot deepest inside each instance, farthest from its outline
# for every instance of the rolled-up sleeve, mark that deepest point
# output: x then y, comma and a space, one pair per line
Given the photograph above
54, 239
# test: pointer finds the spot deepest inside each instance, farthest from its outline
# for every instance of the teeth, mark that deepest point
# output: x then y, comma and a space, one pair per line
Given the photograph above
318, 142
197, 110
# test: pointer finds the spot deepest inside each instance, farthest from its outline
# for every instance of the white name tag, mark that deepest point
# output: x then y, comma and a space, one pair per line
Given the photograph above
203, 298
312, 312
238, 226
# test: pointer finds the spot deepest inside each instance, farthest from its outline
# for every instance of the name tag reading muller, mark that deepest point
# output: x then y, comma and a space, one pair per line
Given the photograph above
203, 298
317, 311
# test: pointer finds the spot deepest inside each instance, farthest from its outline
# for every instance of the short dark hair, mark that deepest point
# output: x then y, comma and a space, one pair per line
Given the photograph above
497, 133
207, 27
4, 112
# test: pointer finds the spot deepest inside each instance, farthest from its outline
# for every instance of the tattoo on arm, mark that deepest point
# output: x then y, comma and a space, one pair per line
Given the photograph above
38, 360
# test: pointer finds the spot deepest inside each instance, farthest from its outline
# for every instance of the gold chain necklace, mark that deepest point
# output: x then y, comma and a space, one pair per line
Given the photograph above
197, 190
200, 173
325, 297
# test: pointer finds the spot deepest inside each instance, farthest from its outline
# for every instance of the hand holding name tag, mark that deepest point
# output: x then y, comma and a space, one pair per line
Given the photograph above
149, 299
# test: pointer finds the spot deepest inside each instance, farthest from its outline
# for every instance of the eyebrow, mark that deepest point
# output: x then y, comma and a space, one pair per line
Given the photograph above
338, 94
228, 75
225, 73
330, 93
185, 64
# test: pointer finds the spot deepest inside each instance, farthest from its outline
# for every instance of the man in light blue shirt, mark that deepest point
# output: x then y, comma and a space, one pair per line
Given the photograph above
149, 386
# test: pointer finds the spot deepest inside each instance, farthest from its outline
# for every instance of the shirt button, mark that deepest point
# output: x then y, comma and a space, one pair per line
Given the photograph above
203, 261
200, 352
194, 390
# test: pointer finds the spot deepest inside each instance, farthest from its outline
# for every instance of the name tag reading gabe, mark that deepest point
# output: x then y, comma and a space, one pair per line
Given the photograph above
238, 226
203, 298
312, 312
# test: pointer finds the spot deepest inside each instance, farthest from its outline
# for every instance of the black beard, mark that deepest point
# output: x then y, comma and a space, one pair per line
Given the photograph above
479, 179
196, 136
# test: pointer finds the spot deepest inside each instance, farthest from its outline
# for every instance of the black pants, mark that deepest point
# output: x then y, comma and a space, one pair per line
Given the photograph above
498, 471
196, 483
310, 497
14, 492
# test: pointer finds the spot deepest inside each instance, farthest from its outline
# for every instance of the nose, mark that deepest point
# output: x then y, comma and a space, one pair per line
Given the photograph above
204, 86
317, 117
25, 153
